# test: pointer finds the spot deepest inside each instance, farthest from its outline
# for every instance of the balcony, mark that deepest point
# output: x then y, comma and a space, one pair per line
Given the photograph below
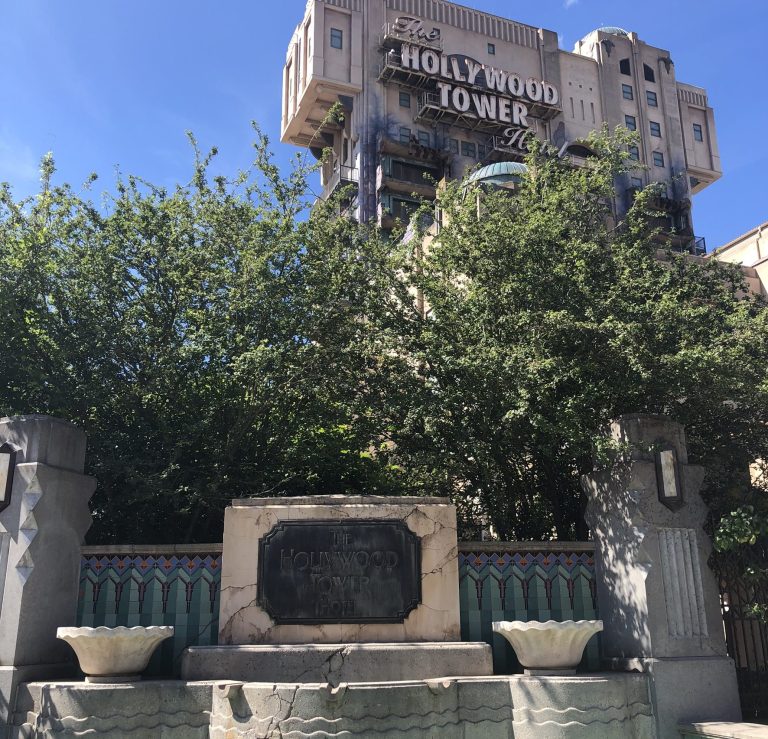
685, 244
391, 69
341, 175
411, 150
499, 149
406, 178
431, 112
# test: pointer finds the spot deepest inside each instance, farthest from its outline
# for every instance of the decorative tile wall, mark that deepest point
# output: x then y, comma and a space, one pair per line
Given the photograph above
512, 583
141, 589
124, 586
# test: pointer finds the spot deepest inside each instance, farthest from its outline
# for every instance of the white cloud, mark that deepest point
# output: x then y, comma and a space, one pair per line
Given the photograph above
569, 3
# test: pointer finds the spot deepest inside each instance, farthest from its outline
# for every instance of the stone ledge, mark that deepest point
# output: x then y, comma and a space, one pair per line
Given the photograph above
724, 730
337, 663
338, 500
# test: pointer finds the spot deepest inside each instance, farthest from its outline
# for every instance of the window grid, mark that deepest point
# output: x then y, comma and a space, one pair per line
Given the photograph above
423, 138
626, 92
468, 149
405, 135
634, 153
630, 122
652, 99
655, 129
658, 159
337, 38
492, 49
405, 99
698, 132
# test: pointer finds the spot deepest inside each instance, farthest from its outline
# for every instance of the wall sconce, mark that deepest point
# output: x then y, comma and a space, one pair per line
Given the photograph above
7, 466
668, 478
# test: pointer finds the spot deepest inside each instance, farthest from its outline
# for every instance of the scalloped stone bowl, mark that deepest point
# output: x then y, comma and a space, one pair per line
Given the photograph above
117, 654
548, 647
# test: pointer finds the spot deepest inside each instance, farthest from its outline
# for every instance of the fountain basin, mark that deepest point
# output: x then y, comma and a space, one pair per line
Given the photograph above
548, 647
111, 655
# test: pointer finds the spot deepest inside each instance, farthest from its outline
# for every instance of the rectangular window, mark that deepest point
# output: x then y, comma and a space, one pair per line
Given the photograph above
491, 49
336, 38
636, 182
453, 145
698, 132
405, 99
405, 135
630, 122
468, 149
658, 159
651, 98
423, 138
626, 92
409, 172
634, 153
402, 208
624, 67
655, 129
481, 151
648, 74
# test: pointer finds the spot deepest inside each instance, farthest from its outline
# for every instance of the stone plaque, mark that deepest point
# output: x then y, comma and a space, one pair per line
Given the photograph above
354, 571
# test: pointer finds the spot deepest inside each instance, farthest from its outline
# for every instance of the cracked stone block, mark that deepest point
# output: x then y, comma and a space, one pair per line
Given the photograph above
337, 663
432, 520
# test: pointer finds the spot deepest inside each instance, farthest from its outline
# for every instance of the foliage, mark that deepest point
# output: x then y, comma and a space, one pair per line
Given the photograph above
742, 534
207, 338
739, 527
548, 319
220, 340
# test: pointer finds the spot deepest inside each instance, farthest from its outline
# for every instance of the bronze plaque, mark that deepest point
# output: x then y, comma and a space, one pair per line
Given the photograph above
353, 571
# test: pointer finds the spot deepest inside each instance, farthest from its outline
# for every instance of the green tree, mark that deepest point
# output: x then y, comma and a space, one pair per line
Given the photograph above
549, 318
219, 340
208, 338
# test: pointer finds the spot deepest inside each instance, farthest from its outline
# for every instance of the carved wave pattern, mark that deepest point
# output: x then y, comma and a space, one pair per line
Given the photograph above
391, 724
581, 716
180, 724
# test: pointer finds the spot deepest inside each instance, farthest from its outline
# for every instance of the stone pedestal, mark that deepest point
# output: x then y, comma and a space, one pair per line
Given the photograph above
336, 575
336, 663
588, 707
658, 599
41, 531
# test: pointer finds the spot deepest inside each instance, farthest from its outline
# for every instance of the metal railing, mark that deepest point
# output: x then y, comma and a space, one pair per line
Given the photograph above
341, 175
745, 632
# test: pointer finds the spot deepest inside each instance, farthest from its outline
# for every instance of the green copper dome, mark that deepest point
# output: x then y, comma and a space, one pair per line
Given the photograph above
613, 30
499, 173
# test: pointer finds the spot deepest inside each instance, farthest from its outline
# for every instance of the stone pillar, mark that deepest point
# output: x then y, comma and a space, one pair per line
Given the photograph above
657, 597
41, 530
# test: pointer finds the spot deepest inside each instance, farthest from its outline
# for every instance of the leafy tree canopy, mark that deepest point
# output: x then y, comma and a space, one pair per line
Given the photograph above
219, 340
549, 318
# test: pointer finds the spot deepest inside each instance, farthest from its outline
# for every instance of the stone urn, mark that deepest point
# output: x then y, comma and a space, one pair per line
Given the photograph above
548, 647
113, 655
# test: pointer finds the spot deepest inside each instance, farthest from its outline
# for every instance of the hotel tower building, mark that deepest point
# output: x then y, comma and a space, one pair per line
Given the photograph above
433, 87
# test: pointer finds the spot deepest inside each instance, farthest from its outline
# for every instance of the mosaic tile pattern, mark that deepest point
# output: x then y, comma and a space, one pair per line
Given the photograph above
519, 585
146, 590
182, 590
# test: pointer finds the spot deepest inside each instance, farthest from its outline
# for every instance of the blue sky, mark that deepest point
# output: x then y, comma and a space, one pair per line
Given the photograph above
112, 83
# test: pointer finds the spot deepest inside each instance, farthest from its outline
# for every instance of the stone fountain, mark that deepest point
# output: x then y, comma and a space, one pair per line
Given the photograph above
339, 616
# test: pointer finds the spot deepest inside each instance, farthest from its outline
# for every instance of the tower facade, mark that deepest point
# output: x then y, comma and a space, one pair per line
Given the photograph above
431, 87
